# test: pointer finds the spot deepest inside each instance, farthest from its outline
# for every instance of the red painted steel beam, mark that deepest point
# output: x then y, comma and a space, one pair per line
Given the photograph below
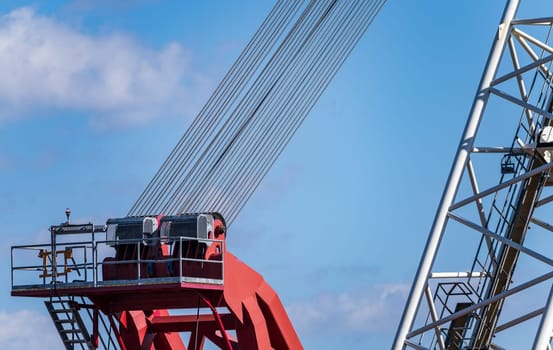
186, 323
155, 299
262, 320
48, 291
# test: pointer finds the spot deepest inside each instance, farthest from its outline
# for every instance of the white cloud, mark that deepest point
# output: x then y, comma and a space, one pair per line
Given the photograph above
45, 63
373, 310
25, 329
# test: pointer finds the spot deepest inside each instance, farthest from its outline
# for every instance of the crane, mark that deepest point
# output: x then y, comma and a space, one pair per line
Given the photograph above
446, 310
170, 250
471, 307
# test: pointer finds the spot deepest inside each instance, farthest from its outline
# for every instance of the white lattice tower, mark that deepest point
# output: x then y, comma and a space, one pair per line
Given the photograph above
485, 278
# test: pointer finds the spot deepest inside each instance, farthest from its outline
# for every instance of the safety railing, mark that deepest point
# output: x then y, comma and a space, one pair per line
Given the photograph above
94, 263
45, 264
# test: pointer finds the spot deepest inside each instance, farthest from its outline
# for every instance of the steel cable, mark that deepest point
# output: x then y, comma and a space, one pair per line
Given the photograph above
242, 112
195, 170
260, 90
255, 180
226, 92
256, 135
279, 127
259, 112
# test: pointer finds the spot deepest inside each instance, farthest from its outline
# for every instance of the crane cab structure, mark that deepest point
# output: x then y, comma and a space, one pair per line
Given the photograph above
162, 244
151, 282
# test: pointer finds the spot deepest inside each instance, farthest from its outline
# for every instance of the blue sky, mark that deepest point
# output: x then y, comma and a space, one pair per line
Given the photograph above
94, 96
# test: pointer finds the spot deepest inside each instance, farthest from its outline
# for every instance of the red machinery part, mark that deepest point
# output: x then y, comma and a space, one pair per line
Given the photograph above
152, 278
256, 314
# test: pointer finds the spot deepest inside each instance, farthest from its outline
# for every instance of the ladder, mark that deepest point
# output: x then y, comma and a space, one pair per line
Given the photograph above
69, 323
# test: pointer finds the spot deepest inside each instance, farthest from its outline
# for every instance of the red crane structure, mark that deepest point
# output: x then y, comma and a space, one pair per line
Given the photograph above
161, 277
179, 262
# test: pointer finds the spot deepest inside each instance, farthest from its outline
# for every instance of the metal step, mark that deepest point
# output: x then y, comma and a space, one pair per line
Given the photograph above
65, 321
69, 331
69, 324
59, 311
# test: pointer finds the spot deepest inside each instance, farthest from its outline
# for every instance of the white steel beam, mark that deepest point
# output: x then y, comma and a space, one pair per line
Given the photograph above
501, 150
415, 346
519, 320
521, 103
481, 304
543, 337
532, 54
534, 21
533, 40
474, 274
522, 70
542, 223
476, 191
520, 83
502, 239
544, 201
434, 316
501, 186
465, 146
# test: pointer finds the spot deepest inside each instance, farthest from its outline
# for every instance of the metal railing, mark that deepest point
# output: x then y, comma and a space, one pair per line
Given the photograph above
83, 262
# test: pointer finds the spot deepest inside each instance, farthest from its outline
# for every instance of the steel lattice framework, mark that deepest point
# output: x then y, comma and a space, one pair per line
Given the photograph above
490, 291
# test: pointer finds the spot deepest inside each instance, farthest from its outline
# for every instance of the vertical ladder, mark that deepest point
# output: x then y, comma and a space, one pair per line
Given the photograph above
69, 323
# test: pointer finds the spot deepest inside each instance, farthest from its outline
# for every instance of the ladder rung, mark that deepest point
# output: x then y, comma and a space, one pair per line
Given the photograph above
65, 331
69, 320
61, 311
64, 312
